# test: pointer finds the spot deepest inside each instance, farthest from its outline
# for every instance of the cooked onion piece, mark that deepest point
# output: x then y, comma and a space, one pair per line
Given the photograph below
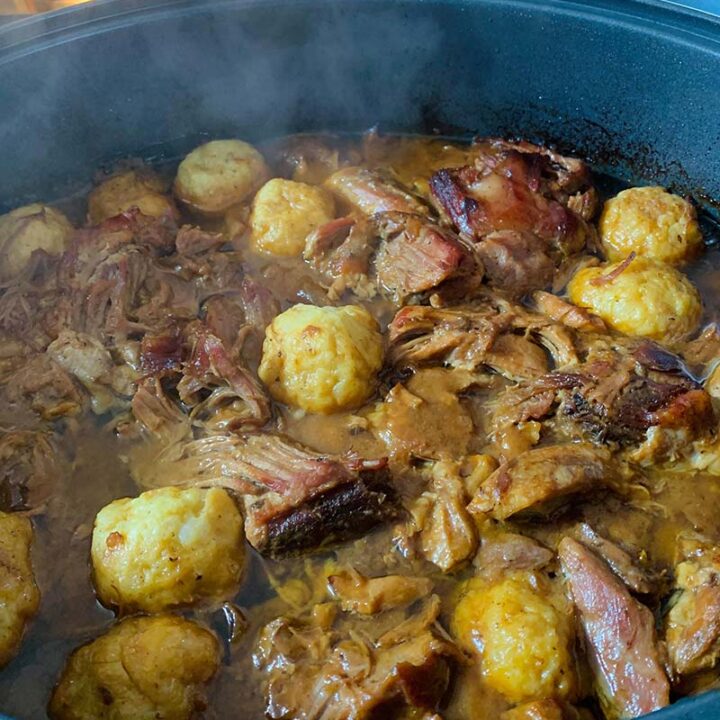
167, 547
650, 222
141, 189
142, 668
322, 359
285, 212
521, 633
27, 229
219, 174
639, 296
19, 595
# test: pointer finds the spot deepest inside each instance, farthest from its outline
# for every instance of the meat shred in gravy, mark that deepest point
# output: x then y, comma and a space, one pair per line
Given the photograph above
358, 429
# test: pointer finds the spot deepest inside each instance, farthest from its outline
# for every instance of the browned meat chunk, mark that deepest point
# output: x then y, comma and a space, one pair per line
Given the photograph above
316, 674
539, 478
258, 303
620, 561
397, 253
370, 193
415, 255
621, 393
311, 158
28, 466
104, 273
440, 528
224, 318
566, 179
45, 387
295, 499
619, 634
516, 357
367, 596
560, 343
84, 357
334, 515
81, 355
157, 233
693, 623
191, 240
479, 202
503, 551
516, 262
633, 394
523, 206
116, 283
341, 251
239, 318
528, 401
162, 353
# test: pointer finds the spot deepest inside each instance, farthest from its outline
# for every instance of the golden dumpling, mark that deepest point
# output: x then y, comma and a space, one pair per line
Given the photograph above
141, 189
285, 212
219, 174
646, 298
19, 595
322, 359
27, 229
143, 668
521, 633
167, 547
650, 222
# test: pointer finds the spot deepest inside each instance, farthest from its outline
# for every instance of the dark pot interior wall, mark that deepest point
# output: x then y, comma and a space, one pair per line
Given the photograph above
640, 94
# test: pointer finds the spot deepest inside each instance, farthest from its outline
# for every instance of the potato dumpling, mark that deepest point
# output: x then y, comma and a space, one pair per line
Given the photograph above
523, 638
219, 174
322, 359
167, 547
651, 222
141, 669
29, 228
285, 212
142, 189
646, 298
19, 596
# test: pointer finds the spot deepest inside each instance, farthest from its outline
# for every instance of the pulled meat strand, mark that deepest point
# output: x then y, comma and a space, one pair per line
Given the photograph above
209, 366
616, 273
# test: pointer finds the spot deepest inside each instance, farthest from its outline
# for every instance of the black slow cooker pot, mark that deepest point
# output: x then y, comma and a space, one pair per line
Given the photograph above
633, 86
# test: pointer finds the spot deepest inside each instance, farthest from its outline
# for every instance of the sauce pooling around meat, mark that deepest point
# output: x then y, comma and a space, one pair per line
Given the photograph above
366, 428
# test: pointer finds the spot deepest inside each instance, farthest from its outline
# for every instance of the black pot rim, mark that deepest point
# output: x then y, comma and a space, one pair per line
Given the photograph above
662, 18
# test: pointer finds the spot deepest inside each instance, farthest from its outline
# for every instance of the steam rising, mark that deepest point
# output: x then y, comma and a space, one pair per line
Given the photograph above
182, 75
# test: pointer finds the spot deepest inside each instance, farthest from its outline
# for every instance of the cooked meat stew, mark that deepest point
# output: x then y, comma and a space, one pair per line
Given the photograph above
358, 429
